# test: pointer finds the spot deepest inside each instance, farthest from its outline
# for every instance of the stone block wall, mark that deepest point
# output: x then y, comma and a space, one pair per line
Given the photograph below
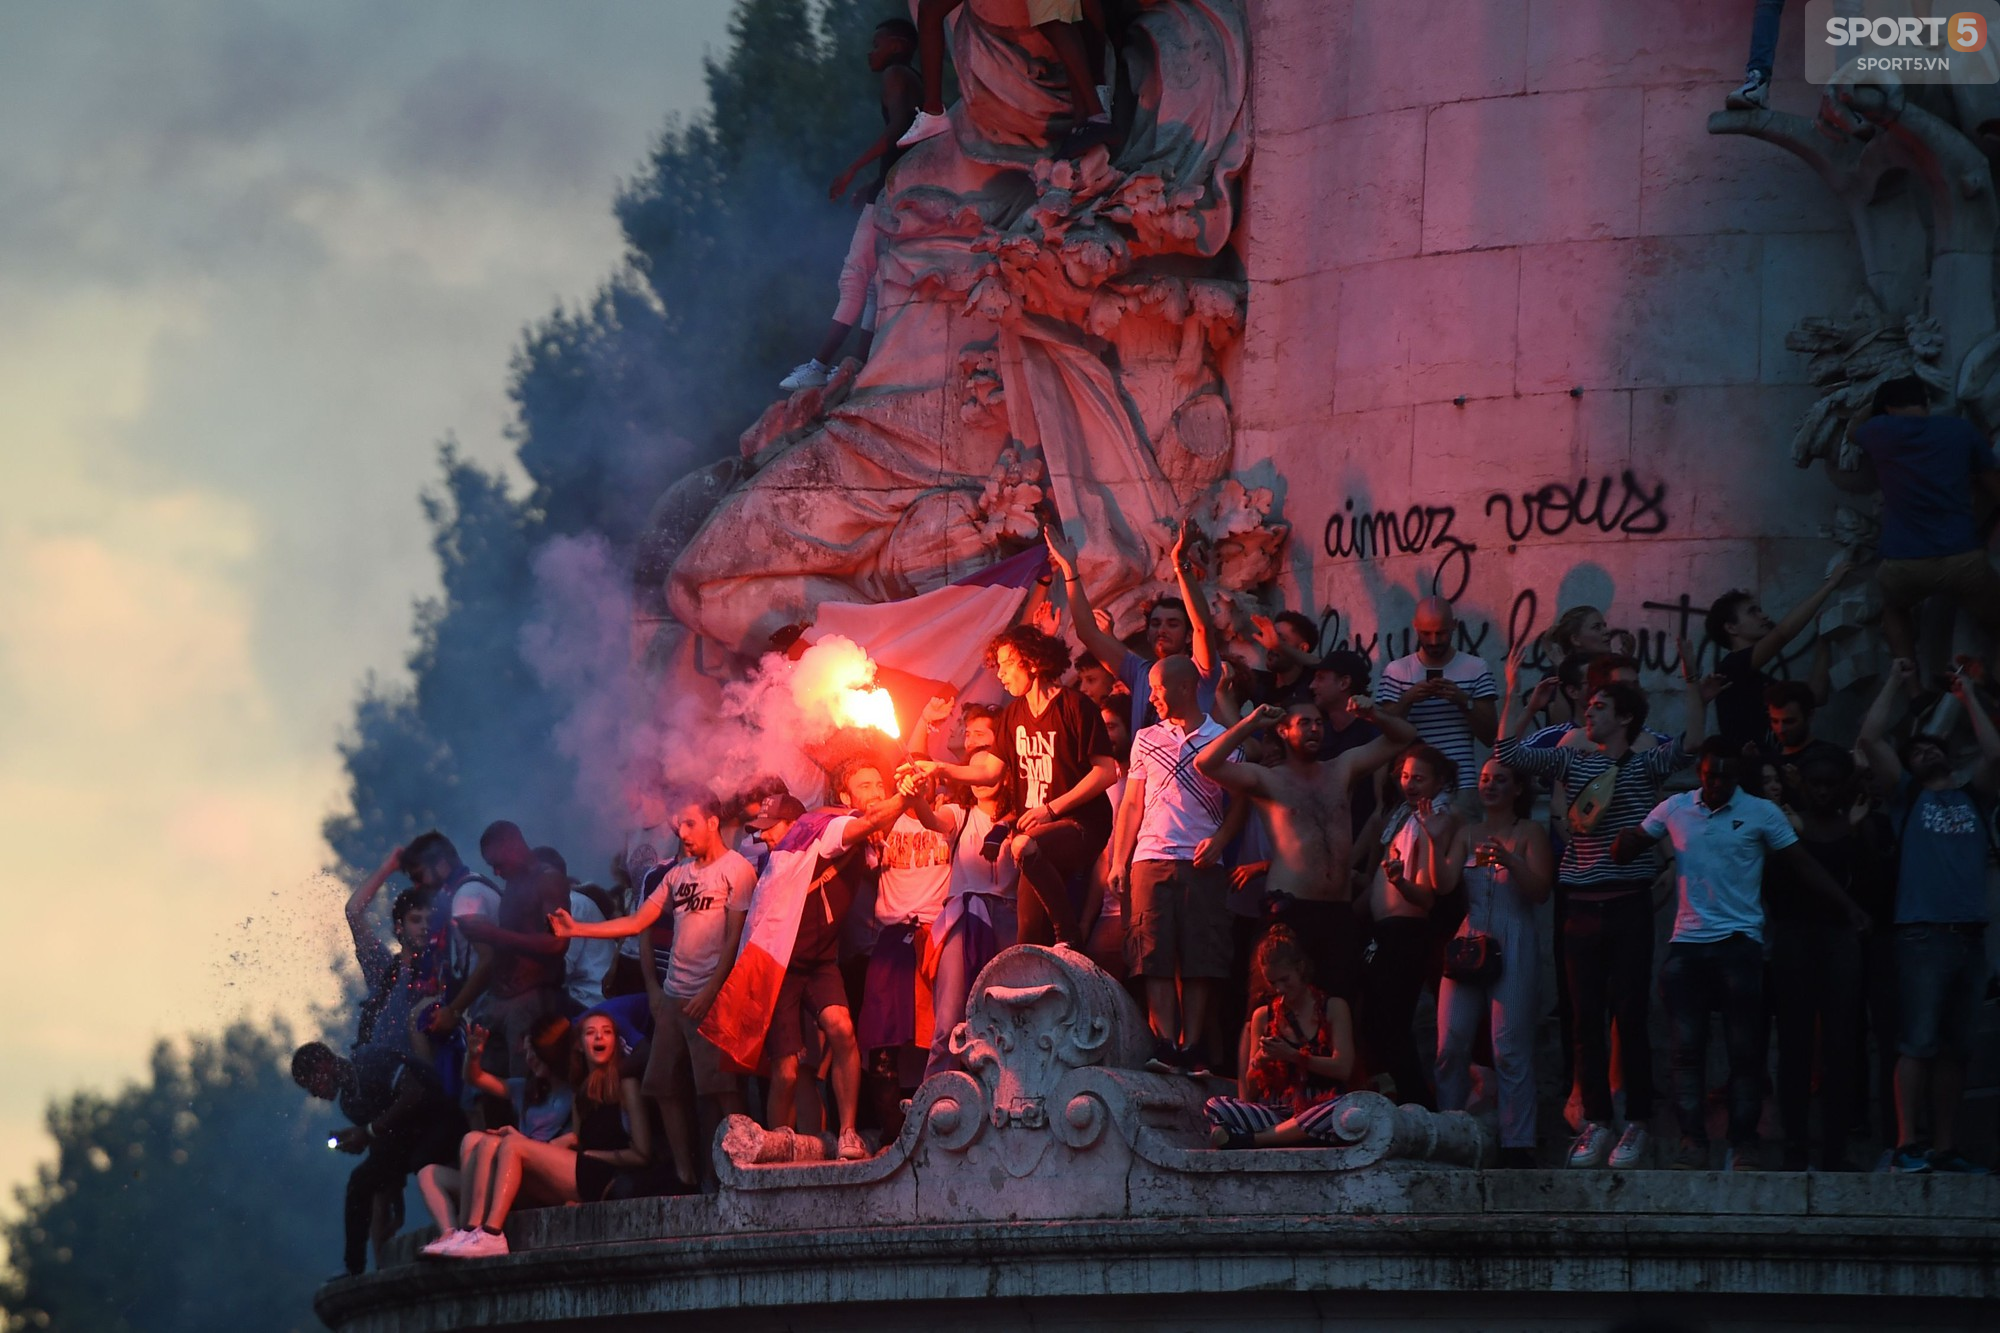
1492, 249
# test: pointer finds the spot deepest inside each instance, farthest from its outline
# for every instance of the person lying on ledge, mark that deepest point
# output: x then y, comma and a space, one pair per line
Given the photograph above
1296, 1056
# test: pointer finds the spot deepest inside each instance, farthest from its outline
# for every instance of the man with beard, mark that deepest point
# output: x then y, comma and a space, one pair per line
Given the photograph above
1306, 804
1940, 916
1447, 695
1175, 627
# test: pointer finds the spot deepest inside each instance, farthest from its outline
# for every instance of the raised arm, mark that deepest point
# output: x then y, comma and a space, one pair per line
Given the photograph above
1537, 699
914, 789
1798, 617
981, 770
1397, 736
1982, 725
1102, 646
1883, 765
1213, 761
868, 825
474, 1071
364, 892
1697, 691
567, 927
1207, 640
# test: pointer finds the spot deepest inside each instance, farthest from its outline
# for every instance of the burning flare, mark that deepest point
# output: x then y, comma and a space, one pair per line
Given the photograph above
836, 678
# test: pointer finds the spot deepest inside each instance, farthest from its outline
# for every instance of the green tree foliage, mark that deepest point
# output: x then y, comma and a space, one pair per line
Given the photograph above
202, 1199
732, 251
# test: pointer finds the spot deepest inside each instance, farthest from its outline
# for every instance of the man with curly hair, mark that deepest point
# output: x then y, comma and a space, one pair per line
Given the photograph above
1054, 750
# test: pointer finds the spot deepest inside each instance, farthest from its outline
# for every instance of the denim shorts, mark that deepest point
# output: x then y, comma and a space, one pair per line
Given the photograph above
1941, 980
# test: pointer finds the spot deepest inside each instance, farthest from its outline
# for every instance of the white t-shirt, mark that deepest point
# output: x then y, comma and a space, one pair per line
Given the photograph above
587, 962
1719, 862
916, 870
699, 898
472, 898
1183, 805
1439, 721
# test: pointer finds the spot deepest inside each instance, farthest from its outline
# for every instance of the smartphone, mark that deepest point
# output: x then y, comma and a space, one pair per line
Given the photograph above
333, 1141
1433, 673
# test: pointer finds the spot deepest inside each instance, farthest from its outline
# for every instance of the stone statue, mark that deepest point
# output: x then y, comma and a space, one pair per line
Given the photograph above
1912, 166
1048, 331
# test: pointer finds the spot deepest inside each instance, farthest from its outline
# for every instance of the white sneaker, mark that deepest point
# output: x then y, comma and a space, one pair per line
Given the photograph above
806, 375
1754, 95
482, 1244
852, 1149
447, 1244
925, 126
1630, 1154
1591, 1145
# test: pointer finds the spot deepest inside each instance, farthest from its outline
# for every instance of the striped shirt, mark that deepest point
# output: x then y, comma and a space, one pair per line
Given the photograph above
1440, 722
1586, 858
1182, 805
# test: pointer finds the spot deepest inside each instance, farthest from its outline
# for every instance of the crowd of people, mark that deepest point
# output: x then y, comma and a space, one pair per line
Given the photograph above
1313, 879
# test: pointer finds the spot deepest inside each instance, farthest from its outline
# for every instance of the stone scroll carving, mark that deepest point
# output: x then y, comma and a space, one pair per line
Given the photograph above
1053, 1118
1049, 332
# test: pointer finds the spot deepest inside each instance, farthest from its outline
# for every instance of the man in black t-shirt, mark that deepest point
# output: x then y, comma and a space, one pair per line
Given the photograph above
1748, 640
1055, 753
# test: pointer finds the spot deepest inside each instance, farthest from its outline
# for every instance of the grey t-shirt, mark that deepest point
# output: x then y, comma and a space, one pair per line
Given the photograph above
697, 899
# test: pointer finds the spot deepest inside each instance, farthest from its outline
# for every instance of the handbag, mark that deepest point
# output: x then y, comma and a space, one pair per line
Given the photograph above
1474, 958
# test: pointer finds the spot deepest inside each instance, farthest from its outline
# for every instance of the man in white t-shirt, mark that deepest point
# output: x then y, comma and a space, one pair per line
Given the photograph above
1448, 696
1722, 838
706, 897
1179, 937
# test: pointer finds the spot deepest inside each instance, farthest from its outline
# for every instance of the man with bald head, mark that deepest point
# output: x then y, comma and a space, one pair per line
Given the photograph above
1166, 855
1448, 696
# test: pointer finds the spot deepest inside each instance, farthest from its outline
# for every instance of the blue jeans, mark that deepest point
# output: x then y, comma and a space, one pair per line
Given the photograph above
1697, 980
1764, 35
1941, 972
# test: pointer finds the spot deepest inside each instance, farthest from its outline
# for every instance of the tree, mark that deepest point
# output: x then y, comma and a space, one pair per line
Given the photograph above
202, 1199
732, 250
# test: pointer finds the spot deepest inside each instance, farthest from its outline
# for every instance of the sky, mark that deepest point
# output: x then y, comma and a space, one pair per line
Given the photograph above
256, 260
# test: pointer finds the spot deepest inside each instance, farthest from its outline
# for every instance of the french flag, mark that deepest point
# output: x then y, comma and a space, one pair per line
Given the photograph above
922, 646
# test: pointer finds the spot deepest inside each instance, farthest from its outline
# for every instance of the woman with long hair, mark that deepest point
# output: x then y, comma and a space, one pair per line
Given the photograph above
542, 1103
1297, 1055
1504, 861
609, 1132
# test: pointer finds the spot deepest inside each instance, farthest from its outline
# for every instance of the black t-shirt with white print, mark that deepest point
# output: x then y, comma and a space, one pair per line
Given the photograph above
1048, 755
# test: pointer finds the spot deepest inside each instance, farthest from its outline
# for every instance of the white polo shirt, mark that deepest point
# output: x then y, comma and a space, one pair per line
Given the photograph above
1183, 806
1719, 862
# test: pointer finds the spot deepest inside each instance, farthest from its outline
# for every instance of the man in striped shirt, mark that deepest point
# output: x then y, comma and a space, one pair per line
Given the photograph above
1448, 696
1608, 906
1178, 934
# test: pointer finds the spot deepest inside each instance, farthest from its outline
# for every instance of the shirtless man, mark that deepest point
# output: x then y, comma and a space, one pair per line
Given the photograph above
1305, 804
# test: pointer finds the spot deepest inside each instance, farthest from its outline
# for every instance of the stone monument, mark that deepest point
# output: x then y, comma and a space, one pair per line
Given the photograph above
1391, 297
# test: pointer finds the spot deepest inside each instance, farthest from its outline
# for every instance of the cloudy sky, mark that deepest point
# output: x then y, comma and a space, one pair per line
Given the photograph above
256, 259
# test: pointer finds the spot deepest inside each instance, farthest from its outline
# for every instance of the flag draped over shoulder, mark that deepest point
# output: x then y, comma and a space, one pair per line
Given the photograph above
741, 1014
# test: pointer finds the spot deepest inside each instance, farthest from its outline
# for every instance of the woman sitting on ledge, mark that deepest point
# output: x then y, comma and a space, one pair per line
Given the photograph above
611, 1134
1297, 1054
542, 1104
